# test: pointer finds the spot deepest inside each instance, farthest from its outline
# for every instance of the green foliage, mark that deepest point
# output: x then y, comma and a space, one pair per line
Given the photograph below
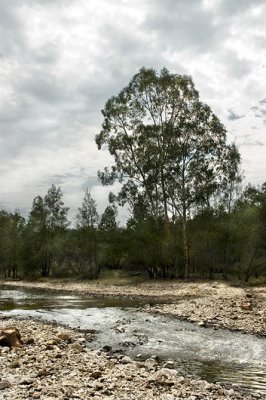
169, 148
87, 216
11, 244
108, 219
46, 225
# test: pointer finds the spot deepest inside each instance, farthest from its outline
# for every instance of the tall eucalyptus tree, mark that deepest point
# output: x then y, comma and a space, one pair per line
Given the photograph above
169, 148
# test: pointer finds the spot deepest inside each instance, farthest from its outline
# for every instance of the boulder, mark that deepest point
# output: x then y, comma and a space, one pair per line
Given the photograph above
10, 337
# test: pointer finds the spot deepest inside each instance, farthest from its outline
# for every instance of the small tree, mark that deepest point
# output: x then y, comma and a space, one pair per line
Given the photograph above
87, 216
87, 246
112, 239
47, 221
108, 219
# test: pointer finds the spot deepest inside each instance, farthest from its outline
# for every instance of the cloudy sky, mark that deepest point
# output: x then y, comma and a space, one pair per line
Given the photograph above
60, 60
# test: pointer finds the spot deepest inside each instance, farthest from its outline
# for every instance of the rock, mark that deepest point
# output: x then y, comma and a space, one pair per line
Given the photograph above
42, 372
52, 342
36, 395
64, 336
77, 347
120, 329
202, 323
98, 386
126, 360
15, 364
106, 348
231, 392
96, 374
5, 350
29, 341
81, 340
246, 306
26, 381
10, 337
4, 385
169, 364
167, 371
150, 363
164, 375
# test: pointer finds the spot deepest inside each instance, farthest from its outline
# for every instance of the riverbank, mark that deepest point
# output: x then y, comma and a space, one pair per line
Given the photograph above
217, 304
54, 363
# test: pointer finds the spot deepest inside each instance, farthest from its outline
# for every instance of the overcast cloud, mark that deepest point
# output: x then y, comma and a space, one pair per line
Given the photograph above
60, 60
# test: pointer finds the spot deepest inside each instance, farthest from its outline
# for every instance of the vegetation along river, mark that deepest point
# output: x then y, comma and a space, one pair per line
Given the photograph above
232, 358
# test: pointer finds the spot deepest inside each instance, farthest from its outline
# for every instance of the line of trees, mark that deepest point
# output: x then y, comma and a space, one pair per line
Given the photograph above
179, 178
222, 243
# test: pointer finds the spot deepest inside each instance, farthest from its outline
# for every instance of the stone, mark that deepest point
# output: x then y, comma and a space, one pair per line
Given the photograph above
107, 348
246, 306
42, 372
10, 337
201, 323
126, 360
4, 385
77, 347
150, 363
120, 329
169, 364
29, 341
52, 342
64, 336
26, 381
96, 374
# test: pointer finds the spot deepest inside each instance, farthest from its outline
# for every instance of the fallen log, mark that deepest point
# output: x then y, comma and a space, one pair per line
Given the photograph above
10, 337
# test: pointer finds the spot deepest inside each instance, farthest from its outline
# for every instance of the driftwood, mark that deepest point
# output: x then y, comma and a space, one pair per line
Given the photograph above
10, 337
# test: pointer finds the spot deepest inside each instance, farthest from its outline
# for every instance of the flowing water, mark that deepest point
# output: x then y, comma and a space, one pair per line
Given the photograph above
232, 358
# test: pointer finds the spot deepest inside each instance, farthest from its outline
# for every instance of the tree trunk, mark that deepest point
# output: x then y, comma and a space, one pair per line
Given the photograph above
249, 268
186, 249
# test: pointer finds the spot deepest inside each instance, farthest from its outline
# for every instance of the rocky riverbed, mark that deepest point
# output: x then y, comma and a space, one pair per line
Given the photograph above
56, 363
206, 303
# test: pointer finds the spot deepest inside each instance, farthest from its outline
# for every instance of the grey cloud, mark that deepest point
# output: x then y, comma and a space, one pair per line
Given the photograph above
250, 143
47, 54
61, 179
44, 87
51, 113
181, 24
260, 113
233, 116
229, 8
90, 181
11, 29
236, 67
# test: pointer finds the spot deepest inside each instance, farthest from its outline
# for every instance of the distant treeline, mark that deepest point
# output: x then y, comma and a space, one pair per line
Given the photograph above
222, 243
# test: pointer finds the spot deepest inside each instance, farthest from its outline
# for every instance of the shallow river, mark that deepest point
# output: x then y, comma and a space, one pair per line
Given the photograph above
232, 358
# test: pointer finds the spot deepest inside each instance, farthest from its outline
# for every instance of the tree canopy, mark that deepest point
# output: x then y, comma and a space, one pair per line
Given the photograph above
169, 149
